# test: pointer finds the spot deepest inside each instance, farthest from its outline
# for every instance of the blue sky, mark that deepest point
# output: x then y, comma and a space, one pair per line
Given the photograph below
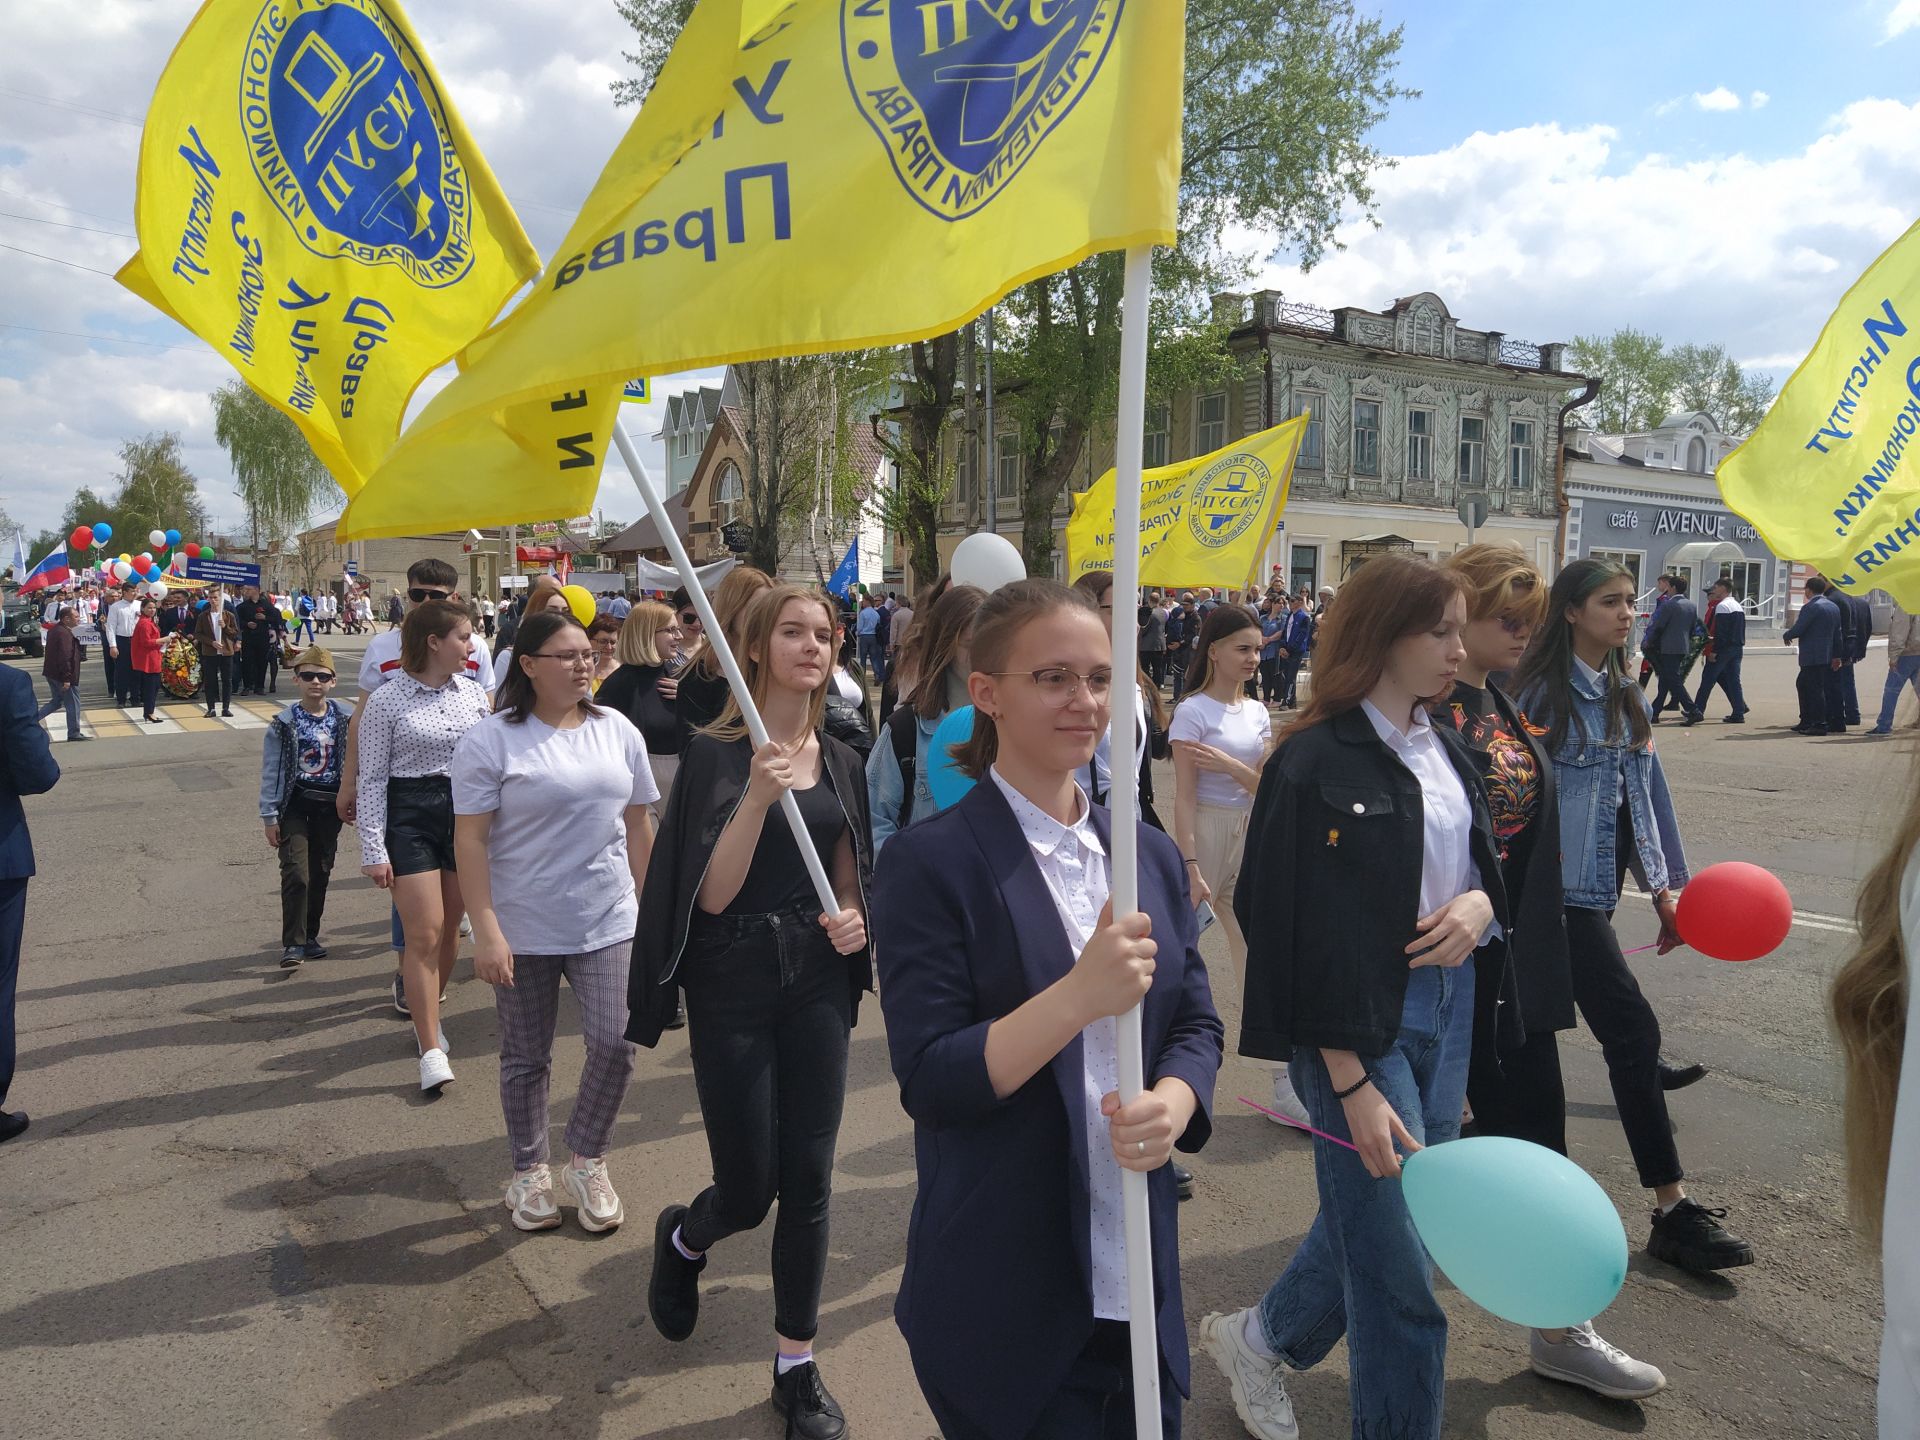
1562, 173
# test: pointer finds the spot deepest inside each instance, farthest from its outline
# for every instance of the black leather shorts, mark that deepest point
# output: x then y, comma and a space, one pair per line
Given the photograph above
420, 824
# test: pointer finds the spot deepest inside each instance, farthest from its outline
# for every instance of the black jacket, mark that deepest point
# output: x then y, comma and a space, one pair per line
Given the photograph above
707, 790
1329, 890
1538, 997
633, 690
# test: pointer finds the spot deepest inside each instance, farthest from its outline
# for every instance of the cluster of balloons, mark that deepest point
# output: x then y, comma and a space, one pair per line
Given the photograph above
143, 569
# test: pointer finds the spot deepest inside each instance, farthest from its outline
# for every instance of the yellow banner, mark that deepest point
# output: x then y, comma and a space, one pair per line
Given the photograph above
1202, 522
1828, 478
310, 204
856, 173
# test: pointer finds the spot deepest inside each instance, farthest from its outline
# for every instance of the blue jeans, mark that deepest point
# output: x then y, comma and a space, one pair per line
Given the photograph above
1724, 671
1362, 1271
64, 697
873, 656
1904, 671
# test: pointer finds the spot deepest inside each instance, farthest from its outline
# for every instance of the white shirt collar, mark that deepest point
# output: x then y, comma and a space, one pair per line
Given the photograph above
1593, 676
1399, 739
1044, 833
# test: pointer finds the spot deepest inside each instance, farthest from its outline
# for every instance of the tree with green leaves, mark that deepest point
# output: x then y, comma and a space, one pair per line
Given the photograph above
656, 25
1643, 380
278, 477
157, 492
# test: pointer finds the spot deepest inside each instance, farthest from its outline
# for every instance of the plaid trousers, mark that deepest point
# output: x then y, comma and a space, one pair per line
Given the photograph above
528, 1010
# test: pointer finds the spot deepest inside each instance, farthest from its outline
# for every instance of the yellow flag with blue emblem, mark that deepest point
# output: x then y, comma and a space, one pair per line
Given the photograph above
815, 176
1202, 522
310, 204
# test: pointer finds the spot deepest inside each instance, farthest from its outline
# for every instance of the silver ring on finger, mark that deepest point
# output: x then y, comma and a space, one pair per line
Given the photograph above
1139, 1147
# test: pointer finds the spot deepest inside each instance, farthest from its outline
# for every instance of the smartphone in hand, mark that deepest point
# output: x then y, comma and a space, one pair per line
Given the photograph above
1204, 913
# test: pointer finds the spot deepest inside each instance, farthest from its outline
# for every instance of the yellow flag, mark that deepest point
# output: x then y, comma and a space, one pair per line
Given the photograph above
310, 204
1202, 522
855, 173
1828, 478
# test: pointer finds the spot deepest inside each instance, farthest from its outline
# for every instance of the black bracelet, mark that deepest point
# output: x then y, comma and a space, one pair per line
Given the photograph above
1355, 1088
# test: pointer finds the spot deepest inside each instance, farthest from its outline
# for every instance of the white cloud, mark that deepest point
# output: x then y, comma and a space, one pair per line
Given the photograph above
1904, 16
1758, 99
1551, 233
1718, 98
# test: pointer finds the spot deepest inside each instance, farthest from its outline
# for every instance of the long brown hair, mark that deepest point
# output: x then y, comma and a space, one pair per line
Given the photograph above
1869, 1002
1543, 681
1388, 597
1003, 615
755, 629
941, 640
732, 597
1224, 621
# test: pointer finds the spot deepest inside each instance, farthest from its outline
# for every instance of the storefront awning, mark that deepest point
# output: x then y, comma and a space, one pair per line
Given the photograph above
1375, 544
1705, 552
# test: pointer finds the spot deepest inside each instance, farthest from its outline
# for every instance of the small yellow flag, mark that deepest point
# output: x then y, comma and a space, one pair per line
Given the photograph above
1828, 478
1202, 522
854, 173
310, 204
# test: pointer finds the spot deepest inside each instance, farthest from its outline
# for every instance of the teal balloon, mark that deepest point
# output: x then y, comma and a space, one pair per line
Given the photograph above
945, 781
1521, 1231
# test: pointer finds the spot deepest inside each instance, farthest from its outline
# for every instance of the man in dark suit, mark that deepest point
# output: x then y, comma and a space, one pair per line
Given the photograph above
253, 616
26, 768
1856, 624
1668, 639
1726, 646
1817, 629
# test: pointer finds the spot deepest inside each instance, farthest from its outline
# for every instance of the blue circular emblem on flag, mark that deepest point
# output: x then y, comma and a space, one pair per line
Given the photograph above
964, 92
348, 134
1226, 500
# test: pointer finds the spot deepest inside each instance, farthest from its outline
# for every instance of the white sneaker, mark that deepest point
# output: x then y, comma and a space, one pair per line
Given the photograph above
530, 1198
466, 927
1259, 1385
1584, 1359
1285, 1101
600, 1207
434, 1070
440, 1033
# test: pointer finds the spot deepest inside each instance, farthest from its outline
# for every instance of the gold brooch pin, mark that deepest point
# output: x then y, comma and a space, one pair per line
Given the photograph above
1333, 839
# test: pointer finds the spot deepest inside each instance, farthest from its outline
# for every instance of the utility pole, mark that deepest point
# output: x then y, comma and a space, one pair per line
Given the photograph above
992, 459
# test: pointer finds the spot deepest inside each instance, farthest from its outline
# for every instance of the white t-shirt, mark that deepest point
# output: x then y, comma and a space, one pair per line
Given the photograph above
382, 662
558, 851
1240, 730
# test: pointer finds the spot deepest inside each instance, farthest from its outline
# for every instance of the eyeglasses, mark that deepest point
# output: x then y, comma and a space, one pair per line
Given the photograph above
419, 594
579, 659
1058, 685
308, 677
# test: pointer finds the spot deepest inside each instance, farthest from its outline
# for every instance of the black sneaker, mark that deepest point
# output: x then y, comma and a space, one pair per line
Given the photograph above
673, 1294
314, 950
812, 1414
292, 957
12, 1125
1693, 718
1183, 1182
400, 996
1692, 1237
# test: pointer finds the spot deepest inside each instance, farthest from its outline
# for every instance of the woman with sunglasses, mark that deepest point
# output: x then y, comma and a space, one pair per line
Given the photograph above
551, 798
408, 731
1004, 972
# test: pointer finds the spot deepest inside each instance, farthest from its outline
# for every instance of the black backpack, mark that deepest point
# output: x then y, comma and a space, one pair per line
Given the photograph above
903, 736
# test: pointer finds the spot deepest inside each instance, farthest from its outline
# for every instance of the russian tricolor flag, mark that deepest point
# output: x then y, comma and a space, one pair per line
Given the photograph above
50, 571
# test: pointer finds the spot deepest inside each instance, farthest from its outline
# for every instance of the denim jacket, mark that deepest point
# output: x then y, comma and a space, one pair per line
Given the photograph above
886, 786
279, 768
1589, 769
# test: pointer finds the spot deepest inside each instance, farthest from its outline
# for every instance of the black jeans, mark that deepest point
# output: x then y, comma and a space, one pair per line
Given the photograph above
1290, 679
1095, 1402
1272, 686
1520, 1093
1154, 662
309, 839
768, 1017
1672, 691
216, 681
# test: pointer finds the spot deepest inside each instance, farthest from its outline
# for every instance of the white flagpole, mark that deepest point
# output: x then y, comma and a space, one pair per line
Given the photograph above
756, 728
1124, 797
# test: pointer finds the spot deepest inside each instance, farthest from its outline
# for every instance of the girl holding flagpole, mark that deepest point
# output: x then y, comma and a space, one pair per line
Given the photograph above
1378, 882
1004, 972
772, 983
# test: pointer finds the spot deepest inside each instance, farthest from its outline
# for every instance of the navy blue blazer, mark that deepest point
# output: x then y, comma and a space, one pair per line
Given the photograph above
1818, 629
26, 768
997, 1301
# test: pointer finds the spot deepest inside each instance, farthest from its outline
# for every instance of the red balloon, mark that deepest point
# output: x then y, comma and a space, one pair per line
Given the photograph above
142, 562
81, 539
1735, 911
192, 549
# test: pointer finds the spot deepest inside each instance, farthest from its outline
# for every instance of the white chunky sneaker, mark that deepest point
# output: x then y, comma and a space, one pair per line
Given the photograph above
434, 1070
1259, 1385
530, 1198
600, 1207
440, 1033
1584, 1359
466, 927
1285, 1101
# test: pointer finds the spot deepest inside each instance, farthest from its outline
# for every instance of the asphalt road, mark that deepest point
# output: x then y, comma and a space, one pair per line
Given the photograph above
235, 1215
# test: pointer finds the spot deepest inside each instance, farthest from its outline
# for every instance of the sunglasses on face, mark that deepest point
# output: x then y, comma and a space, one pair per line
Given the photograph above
309, 677
419, 594
689, 617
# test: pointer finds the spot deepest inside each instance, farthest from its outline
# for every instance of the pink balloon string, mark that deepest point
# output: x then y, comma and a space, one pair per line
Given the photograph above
1288, 1120
1642, 949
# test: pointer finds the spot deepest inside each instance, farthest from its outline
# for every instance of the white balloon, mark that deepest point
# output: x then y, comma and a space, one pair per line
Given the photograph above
121, 569
988, 561
158, 589
157, 539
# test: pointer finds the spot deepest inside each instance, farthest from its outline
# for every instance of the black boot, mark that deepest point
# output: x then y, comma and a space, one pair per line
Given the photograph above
673, 1295
812, 1414
1678, 1077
